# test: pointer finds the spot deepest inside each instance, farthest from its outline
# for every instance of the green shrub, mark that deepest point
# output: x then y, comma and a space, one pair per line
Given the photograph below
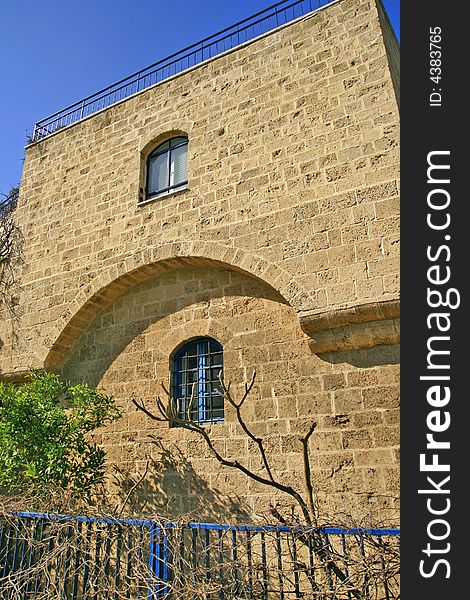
46, 427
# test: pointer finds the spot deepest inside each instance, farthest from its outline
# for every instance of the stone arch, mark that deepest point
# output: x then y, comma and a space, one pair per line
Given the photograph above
158, 139
113, 281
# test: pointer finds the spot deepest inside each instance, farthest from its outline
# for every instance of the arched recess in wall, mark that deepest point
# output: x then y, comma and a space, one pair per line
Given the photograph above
114, 281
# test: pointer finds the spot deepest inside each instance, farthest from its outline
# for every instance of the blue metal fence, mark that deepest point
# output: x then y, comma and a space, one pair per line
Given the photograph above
53, 556
230, 37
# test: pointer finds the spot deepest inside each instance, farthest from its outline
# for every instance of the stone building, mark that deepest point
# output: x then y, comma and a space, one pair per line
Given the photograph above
240, 215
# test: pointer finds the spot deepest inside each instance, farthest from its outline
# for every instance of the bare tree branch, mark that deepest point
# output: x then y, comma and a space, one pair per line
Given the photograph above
169, 415
11, 243
134, 487
237, 406
7, 223
308, 473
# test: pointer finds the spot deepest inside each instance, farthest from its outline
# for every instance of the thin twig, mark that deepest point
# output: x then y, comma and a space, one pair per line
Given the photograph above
135, 486
307, 472
237, 406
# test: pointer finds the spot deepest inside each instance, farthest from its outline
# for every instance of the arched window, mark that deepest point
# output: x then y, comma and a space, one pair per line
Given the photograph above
197, 367
167, 167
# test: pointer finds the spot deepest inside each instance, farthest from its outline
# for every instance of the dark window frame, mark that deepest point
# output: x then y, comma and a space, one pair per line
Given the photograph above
194, 364
157, 152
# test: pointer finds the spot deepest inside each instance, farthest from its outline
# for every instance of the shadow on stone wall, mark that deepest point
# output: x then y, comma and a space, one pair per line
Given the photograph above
119, 325
365, 357
172, 489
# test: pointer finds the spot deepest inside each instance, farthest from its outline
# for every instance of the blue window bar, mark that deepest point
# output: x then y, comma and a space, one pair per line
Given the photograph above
197, 368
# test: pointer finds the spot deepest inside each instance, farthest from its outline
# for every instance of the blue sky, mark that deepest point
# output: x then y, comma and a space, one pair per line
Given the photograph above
54, 52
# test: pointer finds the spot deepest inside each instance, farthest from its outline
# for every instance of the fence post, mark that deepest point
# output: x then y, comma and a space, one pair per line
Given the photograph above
158, 562
153, 562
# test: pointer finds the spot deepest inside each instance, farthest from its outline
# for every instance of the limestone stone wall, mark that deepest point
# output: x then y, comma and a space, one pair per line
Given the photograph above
284, 246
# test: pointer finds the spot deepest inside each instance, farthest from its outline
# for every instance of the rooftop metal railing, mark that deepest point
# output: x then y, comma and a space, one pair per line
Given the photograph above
248, 29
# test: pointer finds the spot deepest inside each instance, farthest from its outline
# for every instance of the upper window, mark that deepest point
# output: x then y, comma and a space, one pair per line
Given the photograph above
197, 368
167, 167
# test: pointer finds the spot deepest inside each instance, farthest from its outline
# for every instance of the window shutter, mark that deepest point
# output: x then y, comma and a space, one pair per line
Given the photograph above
158, 173
179, 165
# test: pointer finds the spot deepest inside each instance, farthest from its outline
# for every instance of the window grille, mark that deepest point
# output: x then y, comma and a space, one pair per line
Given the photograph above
197, 368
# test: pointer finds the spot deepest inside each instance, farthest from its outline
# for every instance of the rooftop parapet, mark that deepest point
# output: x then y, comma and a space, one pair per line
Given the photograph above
244, 31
